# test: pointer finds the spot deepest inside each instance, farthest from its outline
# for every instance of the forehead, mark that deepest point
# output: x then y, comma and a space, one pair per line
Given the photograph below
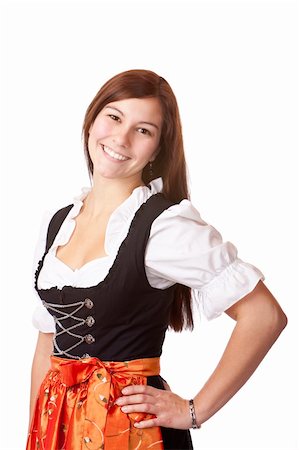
139, 109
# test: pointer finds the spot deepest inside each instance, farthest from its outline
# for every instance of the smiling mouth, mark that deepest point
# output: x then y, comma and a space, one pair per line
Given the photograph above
113, 154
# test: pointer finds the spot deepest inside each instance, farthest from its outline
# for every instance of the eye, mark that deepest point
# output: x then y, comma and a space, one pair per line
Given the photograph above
113, 117
144, 131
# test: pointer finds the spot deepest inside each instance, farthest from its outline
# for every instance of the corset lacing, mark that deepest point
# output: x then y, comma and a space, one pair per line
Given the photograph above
79, 321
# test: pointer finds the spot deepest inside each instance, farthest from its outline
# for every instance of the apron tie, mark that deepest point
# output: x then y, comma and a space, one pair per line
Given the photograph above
80, 401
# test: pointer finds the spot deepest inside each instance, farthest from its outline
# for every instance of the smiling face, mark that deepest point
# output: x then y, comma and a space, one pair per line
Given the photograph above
124, 137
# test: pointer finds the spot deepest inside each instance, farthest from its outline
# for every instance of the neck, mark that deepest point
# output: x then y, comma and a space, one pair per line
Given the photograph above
107, 194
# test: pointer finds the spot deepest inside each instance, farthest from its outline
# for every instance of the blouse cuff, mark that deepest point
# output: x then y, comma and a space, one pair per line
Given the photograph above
237, 280
42, 320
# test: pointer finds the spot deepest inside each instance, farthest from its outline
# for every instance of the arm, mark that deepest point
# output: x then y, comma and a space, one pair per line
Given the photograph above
259, 321
40, 365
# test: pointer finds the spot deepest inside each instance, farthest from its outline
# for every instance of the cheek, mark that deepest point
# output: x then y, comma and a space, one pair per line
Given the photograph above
100, 129
146, 150
152, 146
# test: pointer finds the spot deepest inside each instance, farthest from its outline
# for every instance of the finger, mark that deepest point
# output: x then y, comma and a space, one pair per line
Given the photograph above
143, 407
134, 399
139, 389
147, 423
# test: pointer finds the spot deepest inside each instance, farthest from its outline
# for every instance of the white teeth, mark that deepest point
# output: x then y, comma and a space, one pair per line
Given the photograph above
114, 154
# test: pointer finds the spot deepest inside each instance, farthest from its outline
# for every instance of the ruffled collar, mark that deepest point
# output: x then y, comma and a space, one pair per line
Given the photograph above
139, 194
119, 217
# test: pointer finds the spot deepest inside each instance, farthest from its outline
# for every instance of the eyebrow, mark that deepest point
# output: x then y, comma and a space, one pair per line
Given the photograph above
122, 114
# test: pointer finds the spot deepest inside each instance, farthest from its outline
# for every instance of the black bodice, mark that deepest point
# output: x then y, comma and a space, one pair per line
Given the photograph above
122, 317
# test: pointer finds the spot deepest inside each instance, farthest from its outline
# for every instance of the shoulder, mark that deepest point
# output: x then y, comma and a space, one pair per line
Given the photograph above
183, 214
60, 214
72, 208
50, 216
180, 228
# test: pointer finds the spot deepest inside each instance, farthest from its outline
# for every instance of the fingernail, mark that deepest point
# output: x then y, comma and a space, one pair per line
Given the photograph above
124, 391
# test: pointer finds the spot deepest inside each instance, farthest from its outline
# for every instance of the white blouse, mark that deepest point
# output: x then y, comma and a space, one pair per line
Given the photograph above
181, 248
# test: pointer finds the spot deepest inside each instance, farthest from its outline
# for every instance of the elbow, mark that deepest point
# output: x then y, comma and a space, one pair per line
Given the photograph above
281, 321
260, 311
277, 321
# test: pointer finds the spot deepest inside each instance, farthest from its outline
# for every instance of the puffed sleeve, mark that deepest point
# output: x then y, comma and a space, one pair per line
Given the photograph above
41, 318
183, 248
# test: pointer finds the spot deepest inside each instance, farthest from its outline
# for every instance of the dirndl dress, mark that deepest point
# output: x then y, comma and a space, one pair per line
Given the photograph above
107, 337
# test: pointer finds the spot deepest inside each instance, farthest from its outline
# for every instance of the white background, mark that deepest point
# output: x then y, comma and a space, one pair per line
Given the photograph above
234, 68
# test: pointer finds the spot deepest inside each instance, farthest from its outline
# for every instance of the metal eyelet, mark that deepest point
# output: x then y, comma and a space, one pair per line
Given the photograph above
88, 303
89, 321
89, 339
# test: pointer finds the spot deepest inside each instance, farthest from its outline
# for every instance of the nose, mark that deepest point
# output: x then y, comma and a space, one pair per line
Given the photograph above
122, 137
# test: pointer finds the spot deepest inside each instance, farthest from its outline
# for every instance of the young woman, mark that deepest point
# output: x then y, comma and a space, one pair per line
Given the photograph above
116, 268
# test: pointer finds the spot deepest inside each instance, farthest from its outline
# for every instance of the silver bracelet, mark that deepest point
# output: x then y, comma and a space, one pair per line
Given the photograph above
192, 414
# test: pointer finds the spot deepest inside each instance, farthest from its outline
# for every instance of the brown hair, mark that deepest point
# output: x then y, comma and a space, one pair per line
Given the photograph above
170, 163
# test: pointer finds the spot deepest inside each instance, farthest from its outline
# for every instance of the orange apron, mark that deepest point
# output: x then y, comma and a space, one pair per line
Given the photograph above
75, 408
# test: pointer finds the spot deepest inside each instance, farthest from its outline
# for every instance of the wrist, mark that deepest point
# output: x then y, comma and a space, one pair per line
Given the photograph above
194, 422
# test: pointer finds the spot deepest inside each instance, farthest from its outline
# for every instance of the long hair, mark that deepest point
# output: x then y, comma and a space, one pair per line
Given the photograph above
170, 163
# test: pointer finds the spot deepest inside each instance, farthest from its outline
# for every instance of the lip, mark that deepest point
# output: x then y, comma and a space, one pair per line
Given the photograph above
111, 157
